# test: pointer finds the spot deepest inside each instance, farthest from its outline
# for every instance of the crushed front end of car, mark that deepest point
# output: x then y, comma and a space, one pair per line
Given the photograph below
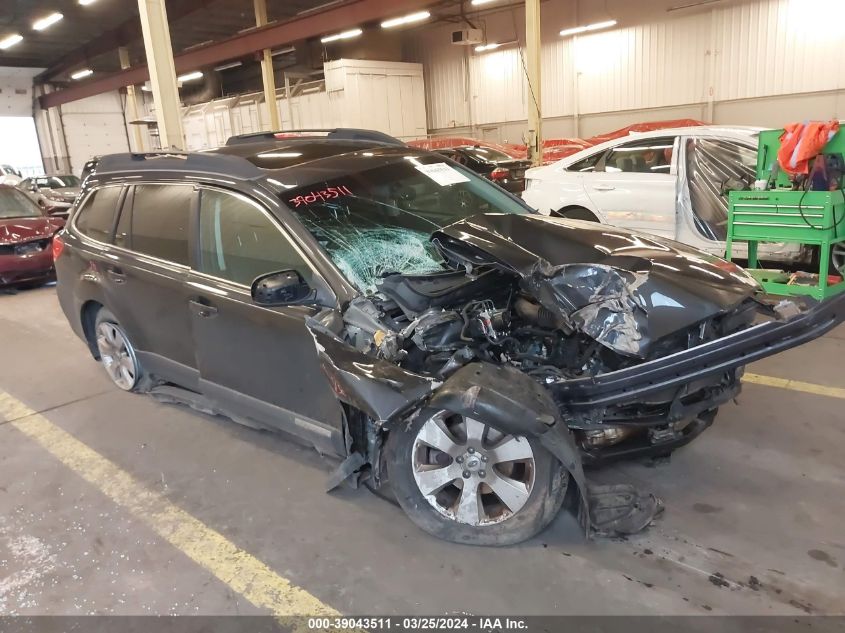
597, 343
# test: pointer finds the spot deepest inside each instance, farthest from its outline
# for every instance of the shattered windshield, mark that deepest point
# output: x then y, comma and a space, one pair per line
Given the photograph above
378, 220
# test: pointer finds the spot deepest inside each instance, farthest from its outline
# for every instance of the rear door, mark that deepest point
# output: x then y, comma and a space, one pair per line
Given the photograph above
146, 274
634, 185
256, 361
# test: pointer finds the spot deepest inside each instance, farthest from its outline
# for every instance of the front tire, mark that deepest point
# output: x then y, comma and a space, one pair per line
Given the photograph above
117, 354
466, 482
576, 213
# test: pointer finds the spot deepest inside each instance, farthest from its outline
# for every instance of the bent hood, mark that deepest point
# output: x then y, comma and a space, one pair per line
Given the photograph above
16, 230
624, 289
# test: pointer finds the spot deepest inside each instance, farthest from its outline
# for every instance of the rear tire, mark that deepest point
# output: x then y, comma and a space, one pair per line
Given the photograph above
117, 354
477, 486
837, 259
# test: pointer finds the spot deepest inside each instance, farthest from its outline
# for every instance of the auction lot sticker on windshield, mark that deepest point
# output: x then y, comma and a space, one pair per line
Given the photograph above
442, 174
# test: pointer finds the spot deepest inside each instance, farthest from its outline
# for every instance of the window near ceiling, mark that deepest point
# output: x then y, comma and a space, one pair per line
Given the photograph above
159, 222
239, 242
651, 156
96, 217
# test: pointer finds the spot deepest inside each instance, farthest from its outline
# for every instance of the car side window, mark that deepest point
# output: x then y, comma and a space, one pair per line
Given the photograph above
586, 164
239, 242
96, 217
159, 221
651, 156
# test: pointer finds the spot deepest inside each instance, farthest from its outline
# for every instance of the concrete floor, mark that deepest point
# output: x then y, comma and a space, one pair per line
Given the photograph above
757, 500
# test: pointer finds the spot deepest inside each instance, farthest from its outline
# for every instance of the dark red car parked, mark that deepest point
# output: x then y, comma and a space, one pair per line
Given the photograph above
26, 236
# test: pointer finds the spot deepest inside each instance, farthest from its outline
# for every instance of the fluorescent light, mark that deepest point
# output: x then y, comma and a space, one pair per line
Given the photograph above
228, 66
79, 74
282, 51
487, 47
407, 19
345, 35
43, 23
477, 2
146, 88
590, 27
312, 89
9, 41
190, 76
85, 3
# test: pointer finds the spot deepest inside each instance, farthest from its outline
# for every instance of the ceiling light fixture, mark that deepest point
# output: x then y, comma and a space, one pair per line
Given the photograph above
590, 27
406, 19
283, 51
85, 3
345, 35
477, 2
487, 47
43, 23
79, 74
9, 41
197, 74
228, 66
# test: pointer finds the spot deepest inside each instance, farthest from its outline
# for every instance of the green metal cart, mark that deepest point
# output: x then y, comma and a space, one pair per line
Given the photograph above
781, 214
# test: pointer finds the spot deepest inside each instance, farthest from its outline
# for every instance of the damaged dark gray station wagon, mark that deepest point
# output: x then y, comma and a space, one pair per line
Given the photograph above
399, 312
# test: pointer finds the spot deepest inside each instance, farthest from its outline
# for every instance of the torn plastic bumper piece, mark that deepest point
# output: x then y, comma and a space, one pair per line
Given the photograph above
708, 359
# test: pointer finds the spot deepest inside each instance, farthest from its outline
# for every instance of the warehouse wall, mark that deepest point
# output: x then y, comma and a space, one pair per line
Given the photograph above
761, 62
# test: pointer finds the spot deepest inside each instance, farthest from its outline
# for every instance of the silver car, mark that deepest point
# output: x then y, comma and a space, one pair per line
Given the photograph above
54, 194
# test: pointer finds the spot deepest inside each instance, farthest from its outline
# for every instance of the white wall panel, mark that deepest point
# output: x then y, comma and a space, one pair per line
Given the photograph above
777, 47
93, 127
758, 48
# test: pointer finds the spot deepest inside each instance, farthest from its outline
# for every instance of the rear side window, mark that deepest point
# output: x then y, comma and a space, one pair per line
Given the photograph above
159, 222
96, 218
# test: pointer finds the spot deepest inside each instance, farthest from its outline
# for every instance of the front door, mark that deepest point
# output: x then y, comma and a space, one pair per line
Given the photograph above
254, 361
634, 186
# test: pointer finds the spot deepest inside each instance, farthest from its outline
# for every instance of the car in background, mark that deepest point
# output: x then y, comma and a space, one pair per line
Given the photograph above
55, 194
9, 175
26, 236
667, 182
493, 164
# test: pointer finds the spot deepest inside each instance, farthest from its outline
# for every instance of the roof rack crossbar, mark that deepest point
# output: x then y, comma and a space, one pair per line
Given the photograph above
337, 134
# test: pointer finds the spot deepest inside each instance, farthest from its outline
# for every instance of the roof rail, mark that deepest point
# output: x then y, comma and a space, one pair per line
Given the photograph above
200, 162
335, 134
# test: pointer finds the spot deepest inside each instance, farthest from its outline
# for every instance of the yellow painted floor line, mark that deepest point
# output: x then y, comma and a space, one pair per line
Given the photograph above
241, 571
794, 385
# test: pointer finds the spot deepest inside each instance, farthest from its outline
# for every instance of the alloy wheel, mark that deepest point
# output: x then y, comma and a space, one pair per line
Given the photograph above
117, 355
470, 472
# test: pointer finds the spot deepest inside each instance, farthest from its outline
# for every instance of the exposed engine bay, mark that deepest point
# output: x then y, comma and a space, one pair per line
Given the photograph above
435, 324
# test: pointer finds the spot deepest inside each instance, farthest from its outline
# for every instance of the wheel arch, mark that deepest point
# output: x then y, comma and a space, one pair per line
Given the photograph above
576, 212
87, 317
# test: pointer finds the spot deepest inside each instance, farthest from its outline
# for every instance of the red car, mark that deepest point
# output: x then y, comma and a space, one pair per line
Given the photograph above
26, 236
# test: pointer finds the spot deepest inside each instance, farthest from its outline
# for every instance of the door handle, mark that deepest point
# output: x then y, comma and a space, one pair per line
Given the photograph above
603, 187
202, 308
116, 274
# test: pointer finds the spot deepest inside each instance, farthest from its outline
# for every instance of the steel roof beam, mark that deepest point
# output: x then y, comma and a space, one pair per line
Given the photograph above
334, 18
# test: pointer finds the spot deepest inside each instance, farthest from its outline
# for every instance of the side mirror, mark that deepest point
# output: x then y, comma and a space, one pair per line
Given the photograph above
286, 287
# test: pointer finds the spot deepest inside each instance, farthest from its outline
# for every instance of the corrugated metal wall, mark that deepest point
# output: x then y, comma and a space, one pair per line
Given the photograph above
762, 49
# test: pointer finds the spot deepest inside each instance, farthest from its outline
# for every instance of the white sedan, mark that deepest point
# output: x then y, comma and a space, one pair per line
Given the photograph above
667, 182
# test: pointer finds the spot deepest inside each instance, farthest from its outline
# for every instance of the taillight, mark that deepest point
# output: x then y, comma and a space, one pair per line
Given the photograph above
58, 246
500, 173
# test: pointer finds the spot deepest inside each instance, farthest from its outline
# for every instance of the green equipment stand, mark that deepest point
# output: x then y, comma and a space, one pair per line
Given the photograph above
784, 215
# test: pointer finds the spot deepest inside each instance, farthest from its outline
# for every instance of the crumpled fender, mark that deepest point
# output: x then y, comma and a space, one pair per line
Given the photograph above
503, 397
514, 403
377, 387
